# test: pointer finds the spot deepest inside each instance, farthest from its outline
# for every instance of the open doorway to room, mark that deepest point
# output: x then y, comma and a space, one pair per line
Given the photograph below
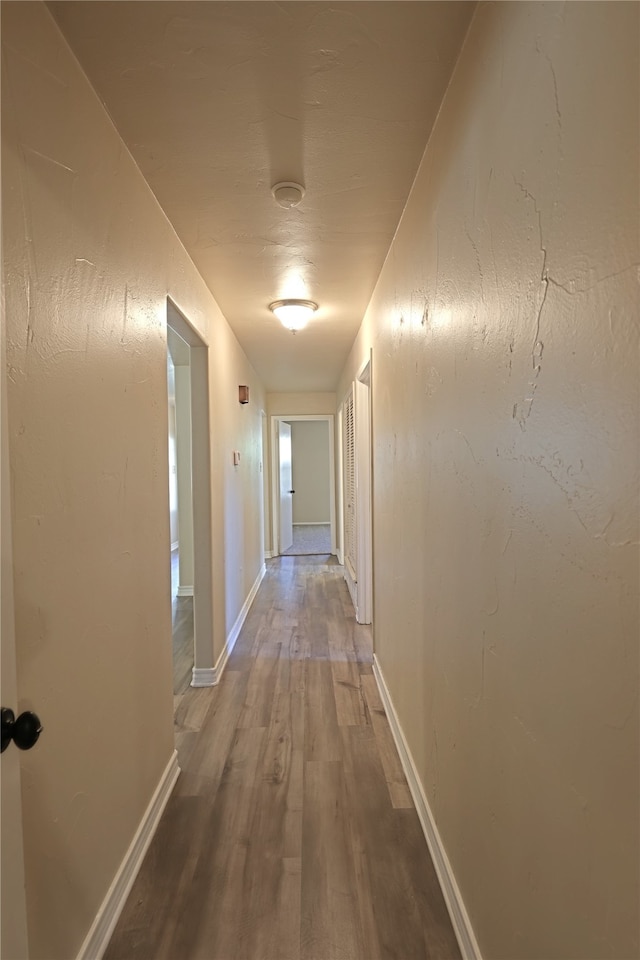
303, 513
357, 485
180, 509
191, 560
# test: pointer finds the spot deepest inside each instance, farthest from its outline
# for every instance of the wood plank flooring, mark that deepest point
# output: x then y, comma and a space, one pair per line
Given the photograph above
291, 833
182, 632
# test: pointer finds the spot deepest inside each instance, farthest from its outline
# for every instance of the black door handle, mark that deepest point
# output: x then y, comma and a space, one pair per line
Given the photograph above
291, 491
24, 731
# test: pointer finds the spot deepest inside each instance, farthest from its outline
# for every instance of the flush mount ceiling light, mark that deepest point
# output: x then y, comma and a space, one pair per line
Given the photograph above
287, 193
293, 314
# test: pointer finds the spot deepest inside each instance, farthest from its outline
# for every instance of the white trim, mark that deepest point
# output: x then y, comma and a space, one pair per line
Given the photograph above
201, 488
364, 553
174, 546
312, 523
338, 481
268, 555
203, 677
264, 470
237, 627
453, 898
185, 591
275, 475
210, 676
97, 939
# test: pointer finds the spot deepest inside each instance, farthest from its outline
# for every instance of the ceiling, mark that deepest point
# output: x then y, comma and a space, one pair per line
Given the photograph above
217, 101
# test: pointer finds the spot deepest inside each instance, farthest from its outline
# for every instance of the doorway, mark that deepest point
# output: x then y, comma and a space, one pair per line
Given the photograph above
357, 483
303, 501
192, 562
180, 509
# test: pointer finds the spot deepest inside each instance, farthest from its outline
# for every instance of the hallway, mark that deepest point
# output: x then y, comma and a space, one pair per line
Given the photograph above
291, 832
463, 242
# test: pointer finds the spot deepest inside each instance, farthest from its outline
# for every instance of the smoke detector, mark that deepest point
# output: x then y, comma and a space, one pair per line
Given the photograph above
287, 193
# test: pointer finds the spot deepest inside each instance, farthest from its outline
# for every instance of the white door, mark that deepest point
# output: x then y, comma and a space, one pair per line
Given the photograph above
286, 492
13, 940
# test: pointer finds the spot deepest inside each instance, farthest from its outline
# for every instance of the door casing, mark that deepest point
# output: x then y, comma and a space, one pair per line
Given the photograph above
203, 652
360, 580
13, 937
275, 476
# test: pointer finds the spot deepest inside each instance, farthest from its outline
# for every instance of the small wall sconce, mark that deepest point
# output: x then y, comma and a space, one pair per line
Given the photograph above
243, 394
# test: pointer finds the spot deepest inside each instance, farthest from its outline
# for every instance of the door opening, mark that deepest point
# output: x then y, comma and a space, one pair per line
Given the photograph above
193, 565
302, 459
180, 509
357, 486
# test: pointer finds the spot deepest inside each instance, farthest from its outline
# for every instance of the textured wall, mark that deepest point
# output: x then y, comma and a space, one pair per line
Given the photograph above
300, 404
504, 329
89, 259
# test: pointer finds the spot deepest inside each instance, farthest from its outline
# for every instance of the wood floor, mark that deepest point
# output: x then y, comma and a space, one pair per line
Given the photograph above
291, 834
182, 633
182, 612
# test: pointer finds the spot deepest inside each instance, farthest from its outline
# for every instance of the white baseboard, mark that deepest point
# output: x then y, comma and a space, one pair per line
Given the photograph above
312, 523
268, 555
237, 627
174, 546
210, 676
97, 939
459, 917
184, 591
203, 677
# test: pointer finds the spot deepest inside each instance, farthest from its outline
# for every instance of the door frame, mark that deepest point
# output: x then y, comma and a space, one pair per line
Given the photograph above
339, 484
204, 674
285, 498
275, 475
364, 494
267, 548
360, 584
13, 926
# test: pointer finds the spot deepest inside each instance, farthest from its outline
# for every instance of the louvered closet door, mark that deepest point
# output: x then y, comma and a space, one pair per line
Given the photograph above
350, 538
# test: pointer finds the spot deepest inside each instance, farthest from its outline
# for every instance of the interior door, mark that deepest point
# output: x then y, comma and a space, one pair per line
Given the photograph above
286, 492
13, 939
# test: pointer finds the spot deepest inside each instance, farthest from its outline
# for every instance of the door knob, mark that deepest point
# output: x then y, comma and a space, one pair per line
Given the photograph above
24, 731
291, 491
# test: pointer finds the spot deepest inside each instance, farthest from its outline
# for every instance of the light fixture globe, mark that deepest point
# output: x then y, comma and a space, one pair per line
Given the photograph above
293, 314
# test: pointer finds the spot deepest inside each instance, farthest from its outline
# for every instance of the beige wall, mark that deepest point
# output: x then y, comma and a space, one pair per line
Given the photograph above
89, 260
311, 472
505, 402
300, 404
